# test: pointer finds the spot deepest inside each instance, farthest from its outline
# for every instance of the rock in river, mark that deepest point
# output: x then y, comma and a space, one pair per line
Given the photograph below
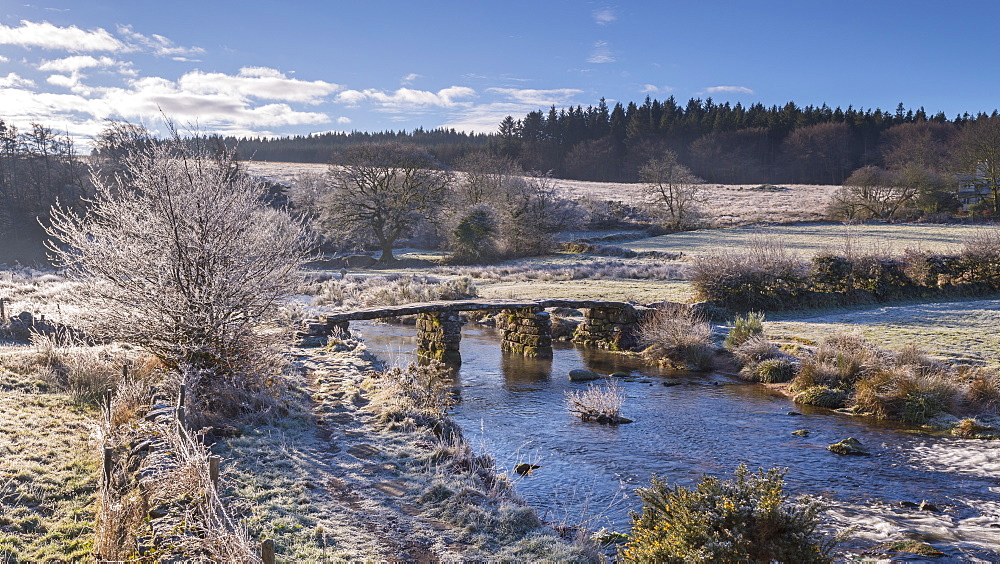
849, 445
581, 375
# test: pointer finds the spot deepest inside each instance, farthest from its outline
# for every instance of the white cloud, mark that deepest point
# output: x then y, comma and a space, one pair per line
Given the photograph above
343, 120
48, 36
63, 80
654, 89
159, 45
729, 89
484, 118
4, 59
407, 98
257, 82
144, 99
538, 98
604, 16
601, 53
80, 62
408, 79
12, 80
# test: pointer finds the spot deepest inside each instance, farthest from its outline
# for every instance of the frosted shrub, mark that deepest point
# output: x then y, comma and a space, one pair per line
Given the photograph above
179, 254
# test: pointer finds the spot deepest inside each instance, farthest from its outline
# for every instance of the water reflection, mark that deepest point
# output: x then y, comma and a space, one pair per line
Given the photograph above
519, 371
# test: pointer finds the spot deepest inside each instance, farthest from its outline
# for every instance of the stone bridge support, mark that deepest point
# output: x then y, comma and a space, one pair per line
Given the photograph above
526, 331
438, 336
611, 328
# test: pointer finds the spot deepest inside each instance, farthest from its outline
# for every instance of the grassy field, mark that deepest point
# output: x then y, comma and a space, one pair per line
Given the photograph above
962, 331
809, 239
48, 468
728, 205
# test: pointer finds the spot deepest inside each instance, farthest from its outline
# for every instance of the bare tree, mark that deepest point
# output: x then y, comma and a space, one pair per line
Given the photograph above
531, 213
384, 190
181, 256
485, 176
979, 156
672, 188
872, 192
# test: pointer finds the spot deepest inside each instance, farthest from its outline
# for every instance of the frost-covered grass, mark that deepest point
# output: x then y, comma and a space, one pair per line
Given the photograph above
809, 239
353, 291
959, 331
48, 467
731, 204
39, 292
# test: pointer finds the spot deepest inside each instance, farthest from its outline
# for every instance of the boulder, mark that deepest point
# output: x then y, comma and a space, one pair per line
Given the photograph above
524, 468
801, 433
849, 446
581, 375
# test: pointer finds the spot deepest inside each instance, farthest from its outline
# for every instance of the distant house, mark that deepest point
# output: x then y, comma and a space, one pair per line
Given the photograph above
972, 189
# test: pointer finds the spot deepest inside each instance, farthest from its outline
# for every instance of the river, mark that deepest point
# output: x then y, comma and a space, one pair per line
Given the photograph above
514, 408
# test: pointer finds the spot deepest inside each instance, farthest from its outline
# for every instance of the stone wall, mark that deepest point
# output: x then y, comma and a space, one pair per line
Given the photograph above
526, 331
611, 328
438, 336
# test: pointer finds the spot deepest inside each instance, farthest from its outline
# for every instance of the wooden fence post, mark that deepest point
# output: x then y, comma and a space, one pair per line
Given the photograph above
180, 417
180, 396
213, 471
3, 310
107, 402
267, 551
108, 451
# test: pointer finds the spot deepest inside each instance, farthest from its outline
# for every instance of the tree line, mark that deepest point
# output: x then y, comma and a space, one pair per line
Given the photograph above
720, 143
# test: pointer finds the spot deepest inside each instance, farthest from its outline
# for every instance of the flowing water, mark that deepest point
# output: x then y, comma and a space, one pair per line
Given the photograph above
514, 408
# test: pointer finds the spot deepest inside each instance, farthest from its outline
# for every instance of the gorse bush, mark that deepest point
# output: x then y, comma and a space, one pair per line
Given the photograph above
748, 519
744, 327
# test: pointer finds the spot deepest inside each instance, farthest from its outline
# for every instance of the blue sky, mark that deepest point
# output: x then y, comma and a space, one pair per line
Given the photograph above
296, 67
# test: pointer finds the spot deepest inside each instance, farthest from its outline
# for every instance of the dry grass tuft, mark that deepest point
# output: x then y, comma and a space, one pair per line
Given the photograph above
679, 336
355, 291
602, 403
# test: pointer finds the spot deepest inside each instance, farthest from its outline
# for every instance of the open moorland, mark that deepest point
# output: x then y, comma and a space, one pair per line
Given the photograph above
731, 204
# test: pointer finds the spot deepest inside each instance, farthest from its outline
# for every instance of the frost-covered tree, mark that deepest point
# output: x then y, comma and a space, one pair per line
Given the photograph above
180, 255
672, 190
384, 190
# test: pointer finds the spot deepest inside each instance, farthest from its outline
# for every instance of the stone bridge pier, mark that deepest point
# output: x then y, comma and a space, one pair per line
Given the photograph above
439, 335
526, 331
613, 328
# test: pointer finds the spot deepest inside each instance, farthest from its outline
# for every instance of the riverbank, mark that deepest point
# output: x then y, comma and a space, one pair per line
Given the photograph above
332, 480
